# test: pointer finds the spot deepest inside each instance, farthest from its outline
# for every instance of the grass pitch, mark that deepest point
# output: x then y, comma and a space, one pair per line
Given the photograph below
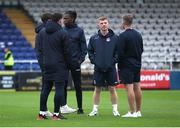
159, 109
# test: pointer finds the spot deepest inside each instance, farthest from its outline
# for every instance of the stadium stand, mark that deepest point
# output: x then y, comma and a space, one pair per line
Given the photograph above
157, 20
11, 37
22, 22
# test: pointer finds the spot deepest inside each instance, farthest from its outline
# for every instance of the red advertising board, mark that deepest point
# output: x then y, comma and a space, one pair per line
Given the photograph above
154, 79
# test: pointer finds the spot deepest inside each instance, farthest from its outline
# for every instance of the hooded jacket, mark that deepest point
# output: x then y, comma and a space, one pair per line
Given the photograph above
102, 51
39, 27
77, 45
52, 50
130, 49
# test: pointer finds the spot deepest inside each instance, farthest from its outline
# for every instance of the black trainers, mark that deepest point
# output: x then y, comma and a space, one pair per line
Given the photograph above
80, 111
62, 116
59, 117
42, 117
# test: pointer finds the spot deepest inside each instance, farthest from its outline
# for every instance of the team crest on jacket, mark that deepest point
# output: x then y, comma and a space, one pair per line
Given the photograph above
108, 39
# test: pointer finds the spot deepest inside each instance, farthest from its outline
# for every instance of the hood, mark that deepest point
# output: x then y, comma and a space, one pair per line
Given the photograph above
52, 27
39, 27
111, 33
71, 26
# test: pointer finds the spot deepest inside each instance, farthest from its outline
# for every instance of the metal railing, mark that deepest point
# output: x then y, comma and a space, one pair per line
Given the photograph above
31, 62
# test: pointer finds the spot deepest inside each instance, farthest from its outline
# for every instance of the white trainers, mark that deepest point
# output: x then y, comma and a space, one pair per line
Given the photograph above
138, 113
93, 113
66, 109
49, 114
129, 114
116, 113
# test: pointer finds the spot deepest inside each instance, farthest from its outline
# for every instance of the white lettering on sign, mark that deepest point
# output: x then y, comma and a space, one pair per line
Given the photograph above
155, 77
7, 78
7, 82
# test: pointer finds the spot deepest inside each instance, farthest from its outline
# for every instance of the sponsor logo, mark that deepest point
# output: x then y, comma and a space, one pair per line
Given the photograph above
155, 77
108, 39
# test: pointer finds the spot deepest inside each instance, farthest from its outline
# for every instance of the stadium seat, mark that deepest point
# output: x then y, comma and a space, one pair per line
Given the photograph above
11, 37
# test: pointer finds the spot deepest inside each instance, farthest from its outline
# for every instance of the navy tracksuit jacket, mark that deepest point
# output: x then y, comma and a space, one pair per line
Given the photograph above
52, 54
130, 49
102, 51
77, 47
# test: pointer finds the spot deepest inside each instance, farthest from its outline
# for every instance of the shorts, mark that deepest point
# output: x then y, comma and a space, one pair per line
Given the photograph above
129, 76
102, 79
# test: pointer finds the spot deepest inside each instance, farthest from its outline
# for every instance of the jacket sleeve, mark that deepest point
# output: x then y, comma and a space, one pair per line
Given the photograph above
39, 50
115, 57
83, 46
65, 44
120, 48
142, 48
91, 51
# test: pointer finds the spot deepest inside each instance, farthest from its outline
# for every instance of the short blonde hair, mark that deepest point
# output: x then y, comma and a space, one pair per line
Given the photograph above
128, 19
102, 18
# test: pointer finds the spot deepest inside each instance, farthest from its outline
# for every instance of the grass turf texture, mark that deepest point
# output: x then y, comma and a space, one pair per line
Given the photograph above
160, 109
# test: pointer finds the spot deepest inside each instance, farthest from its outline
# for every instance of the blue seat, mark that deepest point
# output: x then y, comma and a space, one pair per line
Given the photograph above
26, 66
1, 66
18, 43
19, 56
1, 54
16, 66
21, 66
5, 37
23, 49
15, 49
13, 38
35, 66
16, 32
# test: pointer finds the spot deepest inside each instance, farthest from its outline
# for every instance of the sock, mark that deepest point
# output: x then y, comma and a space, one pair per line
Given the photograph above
114, 107
56, 113
42, 112
95, 107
